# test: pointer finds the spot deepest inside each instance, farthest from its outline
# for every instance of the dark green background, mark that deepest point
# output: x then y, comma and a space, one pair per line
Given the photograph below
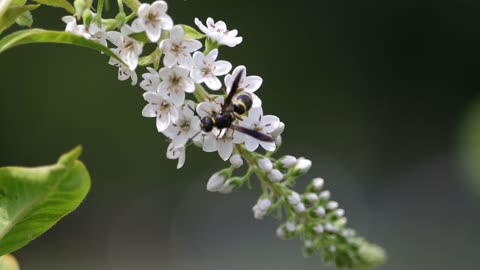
375, 93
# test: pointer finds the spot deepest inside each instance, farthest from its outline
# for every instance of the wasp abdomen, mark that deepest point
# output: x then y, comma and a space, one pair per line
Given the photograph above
243, 103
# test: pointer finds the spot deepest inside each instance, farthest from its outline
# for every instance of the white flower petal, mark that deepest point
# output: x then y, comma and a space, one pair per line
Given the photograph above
221, 68
163, 120
213, 82
149, 111
251, 144
225, 149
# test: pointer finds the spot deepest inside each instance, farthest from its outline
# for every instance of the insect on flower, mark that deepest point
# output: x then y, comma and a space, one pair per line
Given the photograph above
231, 111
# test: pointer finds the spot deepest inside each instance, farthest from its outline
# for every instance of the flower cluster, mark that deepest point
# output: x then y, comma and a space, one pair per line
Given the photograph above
178, 74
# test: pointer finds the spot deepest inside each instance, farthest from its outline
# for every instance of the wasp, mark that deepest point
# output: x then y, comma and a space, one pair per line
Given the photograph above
230, 111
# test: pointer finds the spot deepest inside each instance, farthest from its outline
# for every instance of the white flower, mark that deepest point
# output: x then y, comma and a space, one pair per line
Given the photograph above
208, 108
312, 197
222, 141
288, 161
275, 175
175, 82
318, 183
73, 27
177, 49
184, 127
152, 19
294, 198
127, 48
339, 212
264, 124
218, 32
124, 72
261, 208
176, 153
299, 208
320, 211
236, 161
215, 182
248, 84
290, 226
265, 165
324, 195
160, 108
151, 80
206, 69
318, 229
279, 130
331, 205
303, 165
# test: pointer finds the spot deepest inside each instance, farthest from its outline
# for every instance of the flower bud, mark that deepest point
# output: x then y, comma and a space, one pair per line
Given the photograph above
308, 243
215, 182
281, 233
236, 161
332, 205
324, 195
279, 130
299, 207
318, 229
264, 204
288, 161
226, 188
290, 226
311, 197
339, 213
303, 165
294, 198
318, 183
275, 176
330, 228
265, 165
278, 141
320, 211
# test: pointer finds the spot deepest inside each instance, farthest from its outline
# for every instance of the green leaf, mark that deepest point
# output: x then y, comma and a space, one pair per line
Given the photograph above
8, 262
32, 200
46, 36
4, 5
57, 3
12, 14
191, 33
25, 19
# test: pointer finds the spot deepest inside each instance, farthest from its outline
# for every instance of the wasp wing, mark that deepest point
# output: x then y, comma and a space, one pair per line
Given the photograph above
233, 91
253, 133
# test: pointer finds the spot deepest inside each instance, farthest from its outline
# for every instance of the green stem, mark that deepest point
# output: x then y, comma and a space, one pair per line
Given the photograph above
100, 4
120, 6
200, 93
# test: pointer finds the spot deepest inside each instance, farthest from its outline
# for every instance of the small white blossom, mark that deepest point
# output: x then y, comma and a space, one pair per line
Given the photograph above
331, 228
290, 226
248, 84
177, 49
324, 195
294, 198
303, 165
261, 123
152, 19
219, 33
278, 130
98, 34
128, 49
288, 161
175, 82
236, 161
160, 108
280, 232
74, 28
206, 69
318, 229
124, 72
318, 183
215, 182
320, 211
312, 197
176, 153
185, 126
208, 108
265, 165
151, 80
299, 208
261, 208
275, 175
308, 243
331, 205
222, 141
339, 212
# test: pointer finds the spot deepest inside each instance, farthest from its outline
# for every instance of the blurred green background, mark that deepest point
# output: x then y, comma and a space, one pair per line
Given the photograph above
382, 96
